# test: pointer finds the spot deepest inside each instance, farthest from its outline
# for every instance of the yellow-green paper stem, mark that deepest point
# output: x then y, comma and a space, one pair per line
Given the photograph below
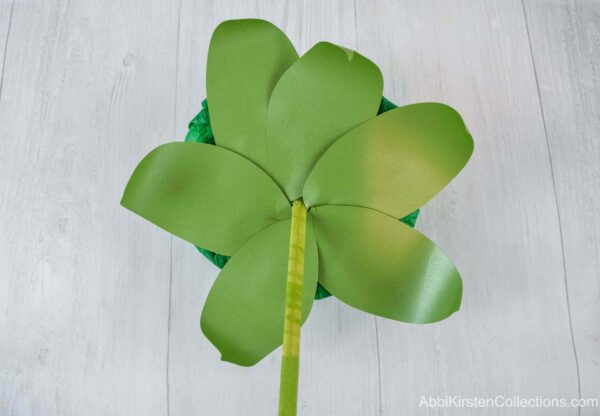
290, 360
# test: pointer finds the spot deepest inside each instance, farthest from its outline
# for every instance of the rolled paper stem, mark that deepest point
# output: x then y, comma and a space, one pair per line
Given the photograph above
290, 359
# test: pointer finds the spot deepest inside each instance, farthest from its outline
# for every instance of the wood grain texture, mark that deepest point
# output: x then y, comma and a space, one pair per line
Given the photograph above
6, 13
99, 310
84, 283
565, 41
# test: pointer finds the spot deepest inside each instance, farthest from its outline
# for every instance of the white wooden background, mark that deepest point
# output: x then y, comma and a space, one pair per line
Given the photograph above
99, 309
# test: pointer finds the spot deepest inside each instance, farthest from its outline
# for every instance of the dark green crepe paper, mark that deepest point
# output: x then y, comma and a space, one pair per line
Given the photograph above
200, 131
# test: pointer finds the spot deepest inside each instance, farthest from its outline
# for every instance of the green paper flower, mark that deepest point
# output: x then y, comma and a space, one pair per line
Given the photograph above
356, 173
200, 131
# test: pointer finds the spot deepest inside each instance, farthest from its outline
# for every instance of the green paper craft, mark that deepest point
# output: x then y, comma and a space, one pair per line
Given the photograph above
307, 92
399, 275
200, 131
245, 60
176, 181
245, 329
301, 158
362, 168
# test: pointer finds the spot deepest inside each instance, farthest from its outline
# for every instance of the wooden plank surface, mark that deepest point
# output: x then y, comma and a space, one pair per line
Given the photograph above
88, 89
565, 40
99, 309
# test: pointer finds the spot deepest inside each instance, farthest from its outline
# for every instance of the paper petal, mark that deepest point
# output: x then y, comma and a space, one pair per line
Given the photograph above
393, 163
244, 312
204, 194
375, 263
325, 93
246, 58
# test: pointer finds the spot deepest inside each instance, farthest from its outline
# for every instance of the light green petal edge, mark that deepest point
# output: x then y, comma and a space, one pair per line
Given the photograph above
244, 313
377, 264
393, 163
204, 194
246, 59
327, 92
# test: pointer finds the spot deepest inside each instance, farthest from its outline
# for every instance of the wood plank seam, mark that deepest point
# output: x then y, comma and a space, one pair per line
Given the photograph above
12, 7
168, 390
560, 226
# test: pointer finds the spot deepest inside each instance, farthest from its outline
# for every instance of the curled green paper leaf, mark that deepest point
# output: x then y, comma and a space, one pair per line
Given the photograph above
394, 163
244, 313
328, 91
374, 263
204, 194
246, 58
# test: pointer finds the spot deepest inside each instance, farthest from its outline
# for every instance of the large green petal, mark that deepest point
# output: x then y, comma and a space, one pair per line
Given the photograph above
393, 163
204, 194
328, 91
246, 58
244, 312
377, 264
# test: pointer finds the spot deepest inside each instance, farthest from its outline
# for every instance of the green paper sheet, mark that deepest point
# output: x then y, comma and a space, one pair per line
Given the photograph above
328, 91
375, 263
204, 194
246, 58
394, 163
244, 312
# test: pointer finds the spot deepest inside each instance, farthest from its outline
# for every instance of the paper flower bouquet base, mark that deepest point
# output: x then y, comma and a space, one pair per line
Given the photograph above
200, 131
301, 192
